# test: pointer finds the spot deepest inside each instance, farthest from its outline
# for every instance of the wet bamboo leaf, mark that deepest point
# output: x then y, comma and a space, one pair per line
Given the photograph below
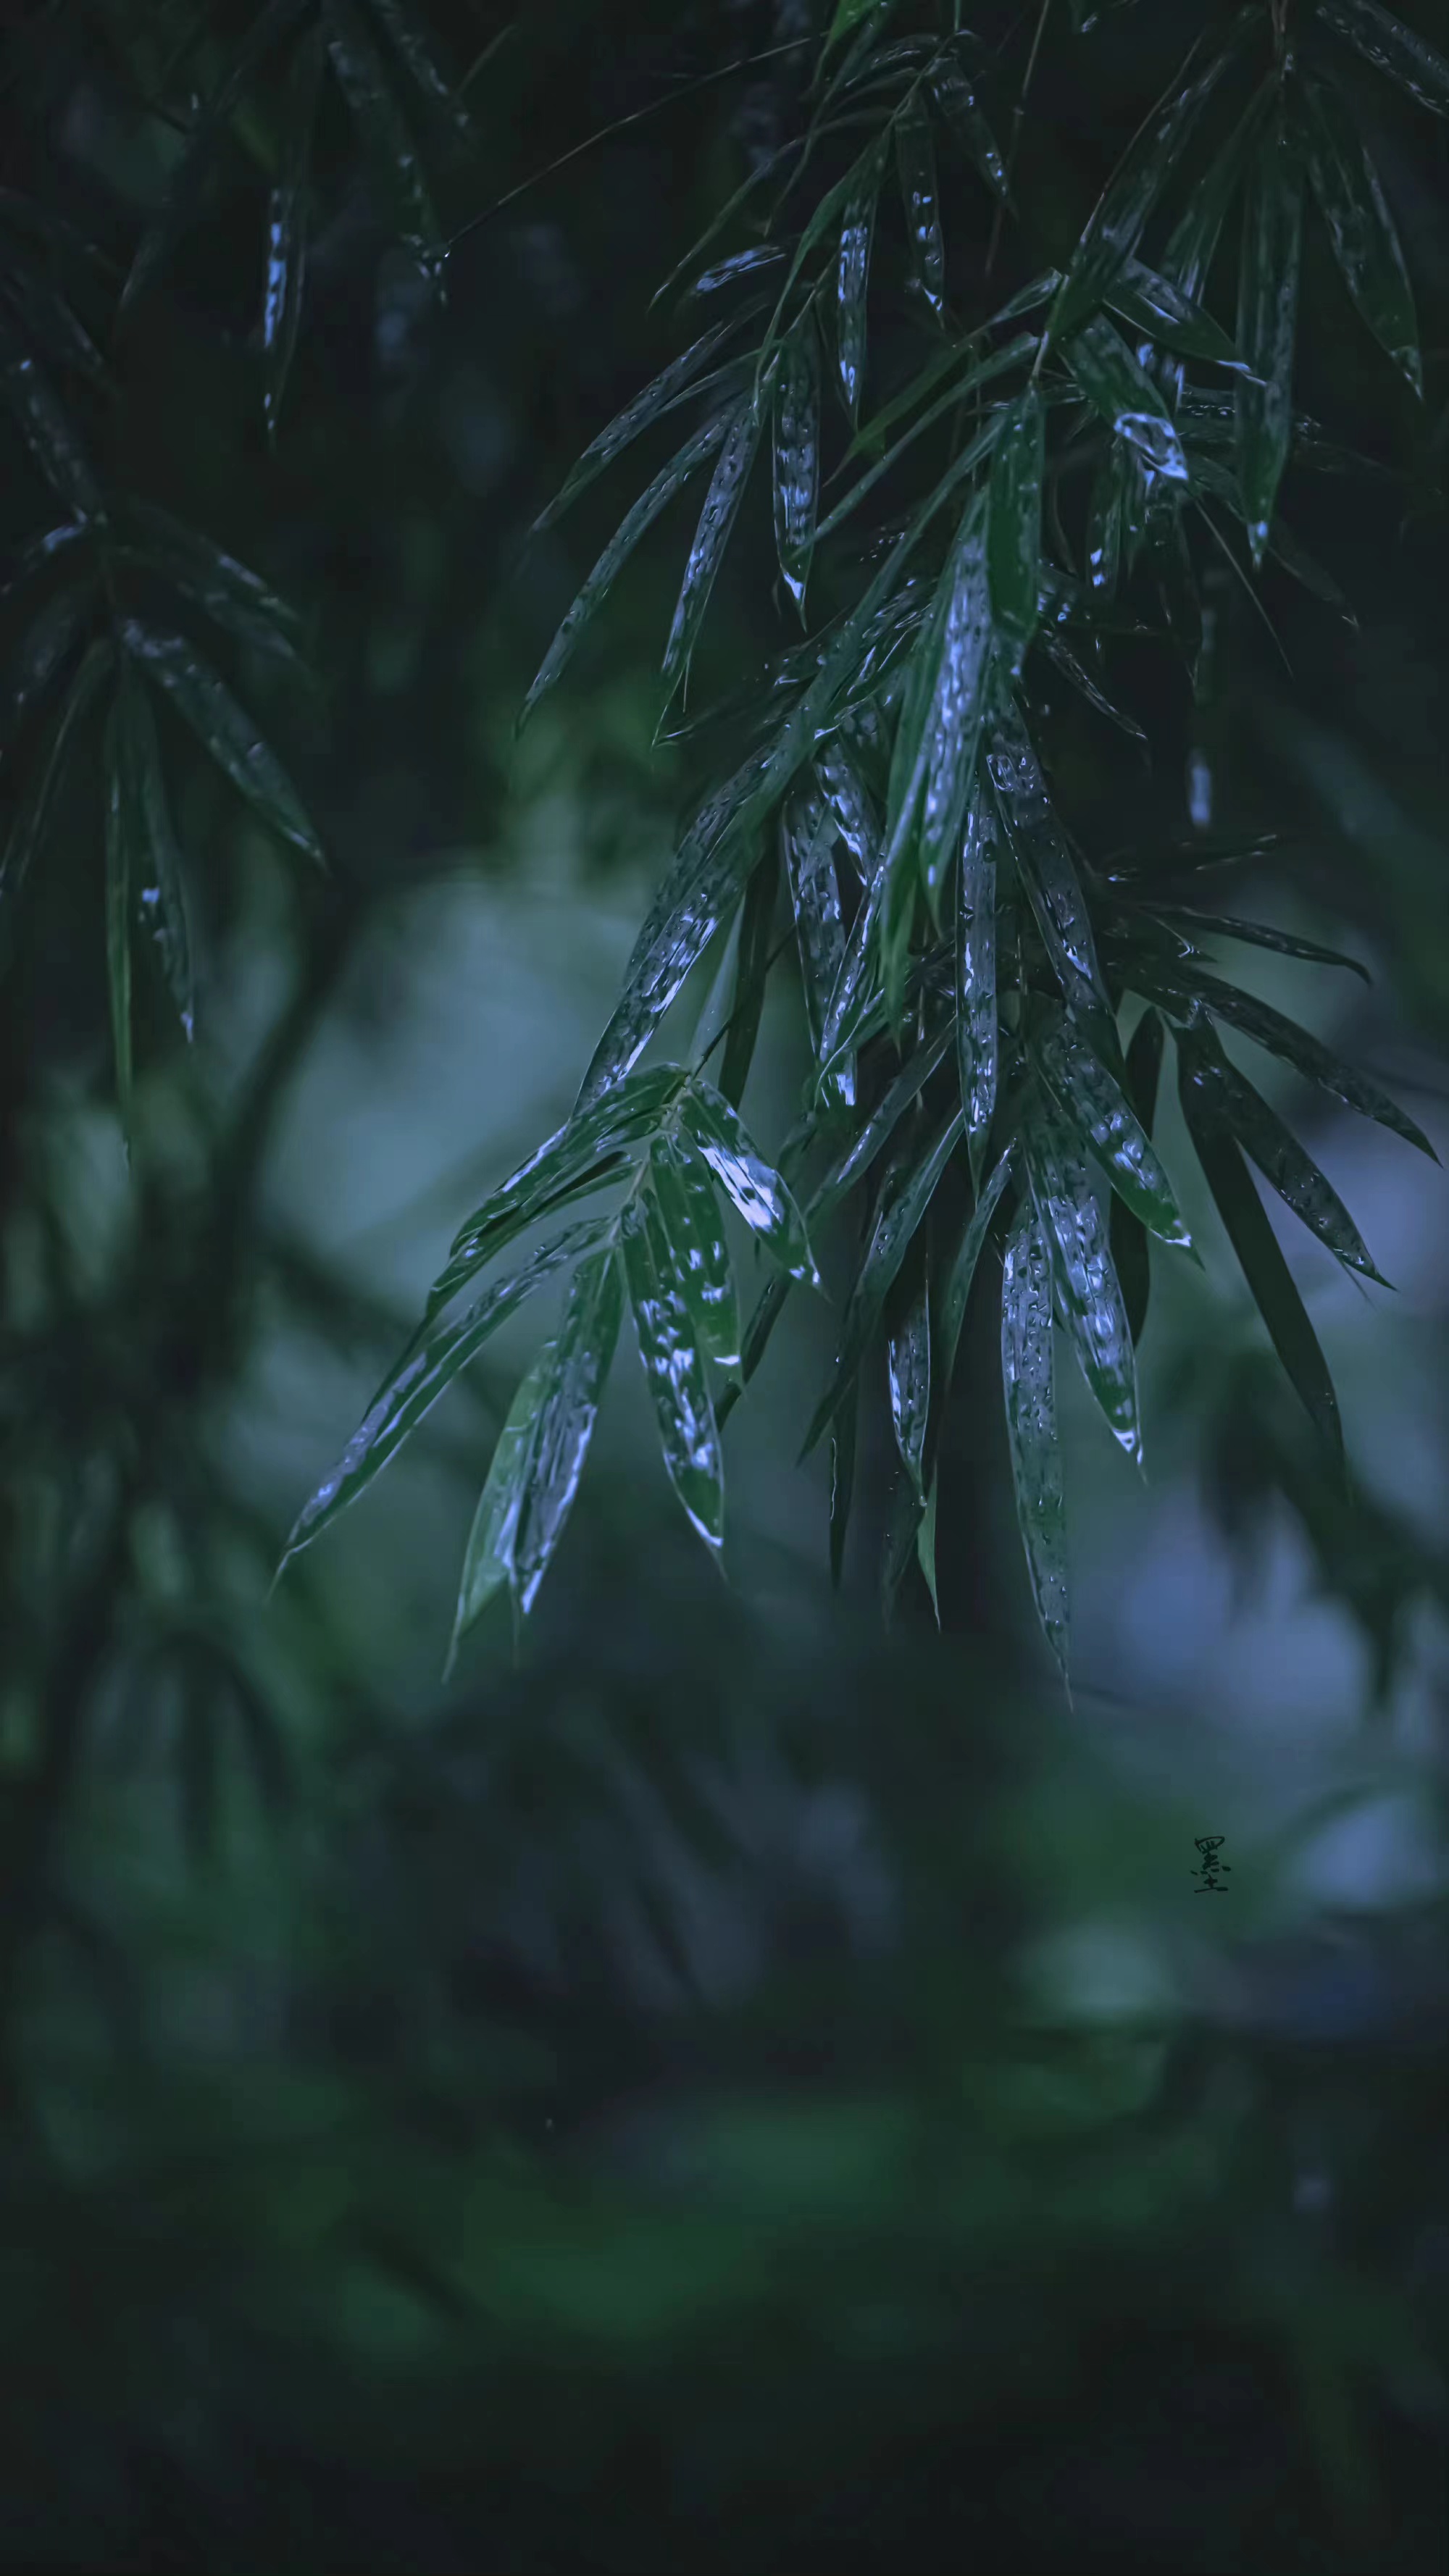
728, 272
1028, 1379
976, 1023
187, 181
1269, 1278
584, 1153
1126, 1233
564, 1423
908, 1375
926, 1550
716, 521
286, 257
1089, 1295
411, 40
646, 510
952, 733
843, 1437
1276, 1151
674, 1366
1064, 660
1394, 49
898, 1096
44, 648
225, 730
1267, 325
1000, 362
1104, 524
752, 966
857, 228
28, 826
1047, 868
902, 1207
1013, 540
759, 1194
848, 16
47, 431
125, 826
1168, 314
681, 1182
1109, 1128
957, 1293
916, 166
157, 876
384, 134
677, 383
956, 101
48, 323
807, 834
852, 808
1126, 397
1192, 246
1283, 1037
488, 1557
1116, 223
1257, 934
38, 551
425, 1372
797, 456
235, 598
1361, 228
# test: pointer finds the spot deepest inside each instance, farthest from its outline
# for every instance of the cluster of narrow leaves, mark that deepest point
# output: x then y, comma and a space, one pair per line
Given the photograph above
102, 602
966, 972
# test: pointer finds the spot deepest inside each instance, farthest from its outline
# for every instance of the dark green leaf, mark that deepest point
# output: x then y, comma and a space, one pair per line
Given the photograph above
44, 648
1072, 671
916, 166
52, 441
1166, 313
976, 1024
425, 1372
807, 836
956, 100
157, 880
287, 228
880, 1126
676, 383
902, 1207
797, 455
188, 179
1028, 1378
235, 598
1000, 362
752, 965
384, 135
564, 1423
848, 16
1047, 868
225, 730
1109, 1128
743, 263
48, 323
908, 1376
37, 551
1392, 48
852, 808
967, 1258
939, 732
674, 1366
716, 521
1267, 325
33, 812
1283, 1037
616, 553
926, 1549
1104, 523
857, 227
1127, 1234
902, 1534
1276, 1151
690, 1212
1126, 397
1256, 934
488, 1557
1089, 1297
1361, 228
1188, 259
1013, 542
1267, 1273
759, 1194
411, 39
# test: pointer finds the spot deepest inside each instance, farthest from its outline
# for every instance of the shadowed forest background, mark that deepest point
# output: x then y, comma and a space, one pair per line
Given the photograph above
733, 2083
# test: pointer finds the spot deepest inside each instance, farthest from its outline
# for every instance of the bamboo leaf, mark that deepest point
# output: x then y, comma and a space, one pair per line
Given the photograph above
1258, 934
902, 1207
677, 383
674, 1366
1168, 314
1065, 661
680, 1179
958, 682
1089, 1295
1047, 868
857, 228
411, 40
1404, 57
916, 168
716, 521
45, 647
1276, 1151
187, 181
761, 1197
157, 878
49, 324
1028, 1379
231, 595
28, 826
46, 428
905, 1087
807, 837
1013, 538
956, 101
976, 1021
1269, 1278
286, 257
1365, 242
908, 1375
424, 1373
1126, 397
488, 1557
564, 1423
1127, 1235
797, 456
966, 1262
752, 966
646, 510
384, 134
1267, 325
1110, 1129
224, 729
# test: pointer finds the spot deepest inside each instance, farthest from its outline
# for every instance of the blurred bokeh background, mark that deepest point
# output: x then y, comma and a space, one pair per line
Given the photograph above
725, 2086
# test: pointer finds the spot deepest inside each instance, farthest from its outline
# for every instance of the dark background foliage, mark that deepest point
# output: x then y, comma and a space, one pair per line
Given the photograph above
729, 2087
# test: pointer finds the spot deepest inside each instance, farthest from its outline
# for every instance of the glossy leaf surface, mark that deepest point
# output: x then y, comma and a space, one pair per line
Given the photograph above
1013, 540
1088, 1294
1365, 241
564, 1422
488, 1558
224, 729
690, 1212
797, 457
1268, 325
1029, 1382
759, 1194
674, 1365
